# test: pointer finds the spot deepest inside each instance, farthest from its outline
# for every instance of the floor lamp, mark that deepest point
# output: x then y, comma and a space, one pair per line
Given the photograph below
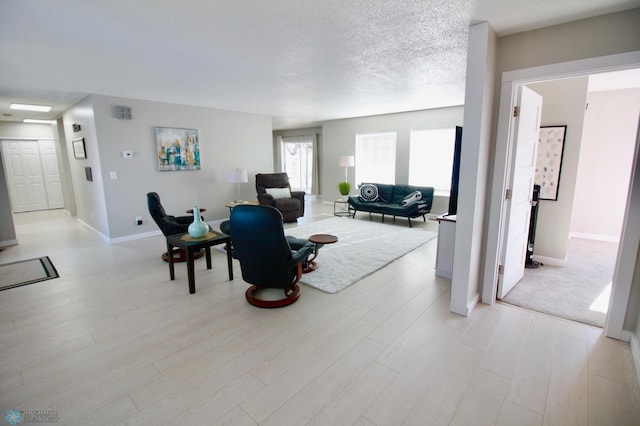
237, 176
346, 161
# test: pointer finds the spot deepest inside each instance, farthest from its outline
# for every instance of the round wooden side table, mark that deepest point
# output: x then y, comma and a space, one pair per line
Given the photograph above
319, 240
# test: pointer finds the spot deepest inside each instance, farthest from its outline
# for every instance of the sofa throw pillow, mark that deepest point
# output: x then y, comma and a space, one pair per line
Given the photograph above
277, 193
368, 192
412, 198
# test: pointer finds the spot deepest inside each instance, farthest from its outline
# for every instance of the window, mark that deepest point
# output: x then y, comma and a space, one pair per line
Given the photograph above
297, 162
431, 158
376, 158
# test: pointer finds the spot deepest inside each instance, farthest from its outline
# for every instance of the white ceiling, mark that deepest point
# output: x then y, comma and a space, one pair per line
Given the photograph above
301, 62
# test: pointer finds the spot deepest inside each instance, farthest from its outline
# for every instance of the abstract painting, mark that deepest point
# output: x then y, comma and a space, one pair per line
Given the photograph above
177, 149
549, 161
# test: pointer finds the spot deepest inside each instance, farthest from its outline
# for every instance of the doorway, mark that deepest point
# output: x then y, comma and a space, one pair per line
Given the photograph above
578, 229
298, 162
627, 253
32, 175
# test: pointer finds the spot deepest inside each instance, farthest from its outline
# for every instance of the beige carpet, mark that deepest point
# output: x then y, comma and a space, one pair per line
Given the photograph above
578, 291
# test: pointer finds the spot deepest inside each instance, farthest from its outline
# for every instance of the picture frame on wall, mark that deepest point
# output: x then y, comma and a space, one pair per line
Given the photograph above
177, 149
79, 151
549, 160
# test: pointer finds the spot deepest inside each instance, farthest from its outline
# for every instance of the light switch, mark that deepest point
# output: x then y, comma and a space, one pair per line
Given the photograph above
114, 175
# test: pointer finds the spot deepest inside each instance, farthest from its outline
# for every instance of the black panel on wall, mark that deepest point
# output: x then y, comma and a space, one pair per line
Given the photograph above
455, 173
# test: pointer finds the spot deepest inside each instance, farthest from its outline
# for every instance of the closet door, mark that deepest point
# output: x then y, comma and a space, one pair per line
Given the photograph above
24, 175
50, 174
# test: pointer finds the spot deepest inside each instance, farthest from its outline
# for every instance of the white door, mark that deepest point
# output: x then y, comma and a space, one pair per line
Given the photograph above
523, 160
50, 173
24, 175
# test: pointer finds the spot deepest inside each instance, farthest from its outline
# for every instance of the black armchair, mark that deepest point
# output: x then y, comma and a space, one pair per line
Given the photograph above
289, 203
266, 258
169, 225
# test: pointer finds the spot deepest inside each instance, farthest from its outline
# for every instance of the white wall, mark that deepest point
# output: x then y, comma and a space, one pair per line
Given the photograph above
473, 199
339, 138
91, 207
606, 156
563, 104
227, 140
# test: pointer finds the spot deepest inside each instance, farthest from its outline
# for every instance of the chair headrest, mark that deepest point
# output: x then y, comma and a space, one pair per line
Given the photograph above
155, 207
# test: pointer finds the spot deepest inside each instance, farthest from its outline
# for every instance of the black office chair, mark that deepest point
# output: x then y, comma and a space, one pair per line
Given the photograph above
266, 258
169, 225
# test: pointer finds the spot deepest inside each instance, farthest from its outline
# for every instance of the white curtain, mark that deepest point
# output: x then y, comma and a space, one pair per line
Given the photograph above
315, 180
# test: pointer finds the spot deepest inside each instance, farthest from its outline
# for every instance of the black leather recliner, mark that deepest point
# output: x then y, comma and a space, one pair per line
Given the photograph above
266, 258
291, 206
169, 225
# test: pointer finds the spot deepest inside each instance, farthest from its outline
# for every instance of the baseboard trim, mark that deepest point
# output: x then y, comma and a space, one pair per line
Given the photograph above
155, 233
94, 230
134, 237
552, 261
465, 310
635, 352
7, 243
444, 273
595, 237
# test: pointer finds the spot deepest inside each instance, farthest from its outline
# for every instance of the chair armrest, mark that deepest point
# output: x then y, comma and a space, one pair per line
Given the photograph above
300, 196
265, 199
302, 254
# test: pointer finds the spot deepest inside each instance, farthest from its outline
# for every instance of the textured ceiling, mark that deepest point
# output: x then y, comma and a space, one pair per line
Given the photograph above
301, 62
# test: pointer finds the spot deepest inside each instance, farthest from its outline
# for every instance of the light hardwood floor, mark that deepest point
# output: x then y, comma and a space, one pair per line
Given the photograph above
114, 341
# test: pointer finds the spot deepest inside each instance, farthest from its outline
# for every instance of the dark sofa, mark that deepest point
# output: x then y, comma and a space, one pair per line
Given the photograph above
389, 201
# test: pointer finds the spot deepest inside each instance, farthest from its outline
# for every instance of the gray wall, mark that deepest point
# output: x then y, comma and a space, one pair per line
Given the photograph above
563, 104
227, 140
587, 38
339, 138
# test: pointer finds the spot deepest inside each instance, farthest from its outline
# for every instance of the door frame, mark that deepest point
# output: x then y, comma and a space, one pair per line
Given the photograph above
495, 229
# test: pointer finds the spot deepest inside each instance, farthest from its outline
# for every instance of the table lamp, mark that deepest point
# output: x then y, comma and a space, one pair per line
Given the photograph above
237, 176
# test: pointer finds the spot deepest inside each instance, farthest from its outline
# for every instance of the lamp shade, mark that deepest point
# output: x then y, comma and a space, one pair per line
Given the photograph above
347, 161
237, 176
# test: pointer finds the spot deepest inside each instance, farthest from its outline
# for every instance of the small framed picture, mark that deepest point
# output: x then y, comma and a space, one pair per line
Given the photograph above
78, 148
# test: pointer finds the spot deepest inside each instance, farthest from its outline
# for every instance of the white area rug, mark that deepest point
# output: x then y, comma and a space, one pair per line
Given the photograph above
363, 247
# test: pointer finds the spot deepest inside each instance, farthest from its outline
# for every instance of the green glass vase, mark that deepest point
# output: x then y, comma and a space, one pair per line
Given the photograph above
198, 228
